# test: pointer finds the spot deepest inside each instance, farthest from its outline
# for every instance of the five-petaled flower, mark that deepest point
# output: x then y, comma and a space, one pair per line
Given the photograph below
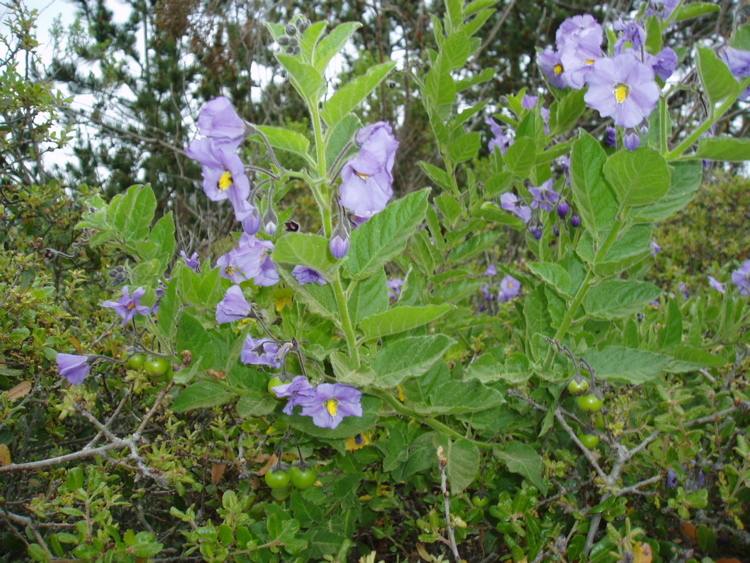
331, 403
250, 260
261, 352
128, 306
510, 287
193, 263
299, 391
305, 275
73, 367
233, 307
366, 179
741, 278
545, 196
219, 121
510, 202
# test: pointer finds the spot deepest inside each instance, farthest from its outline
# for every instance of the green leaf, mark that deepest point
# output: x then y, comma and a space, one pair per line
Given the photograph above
671, 335
631, 248
169, 309
741, 39
728, 149
690, 359
653, 35
401, 319
340, 136
490, 367
473, 247
134, 213
717, 79
449, 207
463, 461
440, 89
521, 156
457, 397
162, 235
524, 460
437, 175
253, 404
466, 147
201, 395
385, 235
350, 426
593, 197
350, 96
491, 212
306, 250
638, 177
408, 357
552, 274
192, 336
457, 50
476, 6
686, 180
305, 78
145, 550
333, 43
617, 364
615, 299
285, 139
694, 10
318, 298
564, 113
369, 297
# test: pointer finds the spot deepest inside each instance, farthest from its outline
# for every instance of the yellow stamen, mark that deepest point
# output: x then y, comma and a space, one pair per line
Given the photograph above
229, 270
590, 61
363, 176
332, 406
131, 306
558, 68
225, 181
621, 92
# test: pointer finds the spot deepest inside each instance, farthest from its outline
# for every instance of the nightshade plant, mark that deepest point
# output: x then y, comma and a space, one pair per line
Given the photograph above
448, 391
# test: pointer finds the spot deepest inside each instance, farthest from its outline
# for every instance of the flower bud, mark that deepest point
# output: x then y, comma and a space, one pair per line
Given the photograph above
270, 222
563, 208
631, 140
339, 245
610, 137
283, 41
251, 224
575, 220
291, 29
535, 228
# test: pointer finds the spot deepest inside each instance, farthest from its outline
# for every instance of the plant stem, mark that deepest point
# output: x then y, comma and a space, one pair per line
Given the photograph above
346, 321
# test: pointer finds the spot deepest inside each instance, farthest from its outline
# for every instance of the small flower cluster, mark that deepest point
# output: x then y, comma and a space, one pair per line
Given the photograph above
740, 278
623, 86
327, 404
510, 287
290, 39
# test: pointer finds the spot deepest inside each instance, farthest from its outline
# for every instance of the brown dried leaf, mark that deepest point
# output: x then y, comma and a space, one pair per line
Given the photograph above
217, 472
4, 456
273, 460
20, 390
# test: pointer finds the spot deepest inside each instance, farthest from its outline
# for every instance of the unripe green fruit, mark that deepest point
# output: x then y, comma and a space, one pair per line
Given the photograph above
578, 386
590, 403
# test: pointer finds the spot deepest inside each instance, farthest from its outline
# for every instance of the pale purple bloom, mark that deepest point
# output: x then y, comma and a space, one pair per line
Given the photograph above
487, 292
339, 245
661, 8
394, 287
501, 140
219, 120
128, 306
741, 278
545, 196
529, 101
544, 112
664, 63
671, 479
490, 271
655, 247
233, 307
366, 180
633, 33
331, 403
738, 62
299, 391
250, 260
631, 140
622, 88
580, 30
73, 367
578, 63
510, 202
191, 262
610, 137
510, 287
306, 275
536, 228
251, 223
716, 284
552, 67
270, 221
261, 352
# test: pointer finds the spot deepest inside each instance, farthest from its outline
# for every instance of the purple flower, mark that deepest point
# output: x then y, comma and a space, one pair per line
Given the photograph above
545, 196
220, 121
631, 140
223, 175
551, 64
510, 202
661, 8
299, 391
622, 88
684, 290
672, 479
510, 287
738, 62
262, 352
394, 287
501, 140
575, 220
716, 284
251, 223
529, 101
487, 292
339, 245
544, 112
741, 278
331, 403
490, 271
563, 208
128, 306
366, 180
306, 275
578, 62
633, 33
565, 165
580, 30
250, 260
233, 307
72, 367
536, 228
655, 247
664, 63
191, 262
610, 137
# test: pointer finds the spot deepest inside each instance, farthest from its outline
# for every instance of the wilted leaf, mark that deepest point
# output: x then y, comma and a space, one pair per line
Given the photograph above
20, 390
642, 553
217, 472
4, 456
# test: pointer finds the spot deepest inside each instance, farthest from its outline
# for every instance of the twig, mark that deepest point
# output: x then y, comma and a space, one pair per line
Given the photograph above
442, 464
